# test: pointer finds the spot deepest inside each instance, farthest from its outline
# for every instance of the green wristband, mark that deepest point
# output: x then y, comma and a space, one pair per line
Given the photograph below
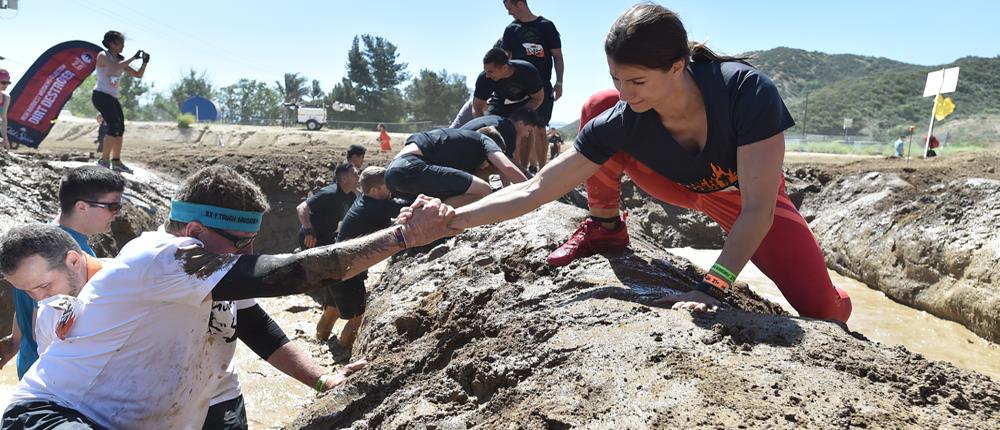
724, 272
320, 383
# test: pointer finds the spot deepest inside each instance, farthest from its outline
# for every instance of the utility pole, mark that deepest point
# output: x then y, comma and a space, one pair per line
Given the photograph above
805, 120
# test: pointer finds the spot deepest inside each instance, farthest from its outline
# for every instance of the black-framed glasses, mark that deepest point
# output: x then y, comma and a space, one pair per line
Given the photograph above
238, 242
111, 206
5, 82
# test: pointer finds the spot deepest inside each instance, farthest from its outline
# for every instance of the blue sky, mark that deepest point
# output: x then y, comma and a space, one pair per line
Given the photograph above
262, 40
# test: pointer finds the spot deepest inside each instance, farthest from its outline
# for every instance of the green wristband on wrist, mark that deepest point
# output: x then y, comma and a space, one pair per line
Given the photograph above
320, 383
724, 272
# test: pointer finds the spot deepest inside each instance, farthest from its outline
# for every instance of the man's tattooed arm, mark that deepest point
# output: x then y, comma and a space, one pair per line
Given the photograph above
286, 274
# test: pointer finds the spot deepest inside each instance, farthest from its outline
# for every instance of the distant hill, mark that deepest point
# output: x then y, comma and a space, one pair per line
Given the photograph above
569, 131
883, 96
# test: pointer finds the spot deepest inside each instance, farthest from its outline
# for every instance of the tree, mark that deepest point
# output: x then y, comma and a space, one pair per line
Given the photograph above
250, 102
383, 62
375, 73
130, 91
191, 85
80, 103
160, 108
316, 93
435, 96
293, 89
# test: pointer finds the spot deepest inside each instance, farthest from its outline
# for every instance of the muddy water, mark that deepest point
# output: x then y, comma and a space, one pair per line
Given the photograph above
883, 320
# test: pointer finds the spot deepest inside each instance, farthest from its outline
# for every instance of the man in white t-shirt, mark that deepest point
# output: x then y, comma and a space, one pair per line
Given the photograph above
142, 347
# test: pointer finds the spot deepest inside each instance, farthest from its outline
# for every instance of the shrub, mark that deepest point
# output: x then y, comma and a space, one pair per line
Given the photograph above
185, 120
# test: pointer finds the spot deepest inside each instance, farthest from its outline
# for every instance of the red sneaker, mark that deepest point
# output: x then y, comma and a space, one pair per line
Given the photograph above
590, 238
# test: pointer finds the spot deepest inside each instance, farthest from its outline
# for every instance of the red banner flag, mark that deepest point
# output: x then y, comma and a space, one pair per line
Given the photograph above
41, 93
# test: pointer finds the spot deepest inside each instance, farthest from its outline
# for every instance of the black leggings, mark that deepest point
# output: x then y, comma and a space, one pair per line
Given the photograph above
111, 109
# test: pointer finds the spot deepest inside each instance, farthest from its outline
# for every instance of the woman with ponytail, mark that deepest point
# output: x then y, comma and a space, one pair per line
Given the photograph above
110, 65
693, 129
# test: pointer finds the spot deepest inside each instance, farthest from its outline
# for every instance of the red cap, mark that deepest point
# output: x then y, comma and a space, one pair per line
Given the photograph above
4, 75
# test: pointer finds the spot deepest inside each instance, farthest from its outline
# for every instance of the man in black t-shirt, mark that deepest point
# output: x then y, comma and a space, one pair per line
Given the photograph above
506, 85
535, 39
517, 130
371, 212
321, 214
450, 164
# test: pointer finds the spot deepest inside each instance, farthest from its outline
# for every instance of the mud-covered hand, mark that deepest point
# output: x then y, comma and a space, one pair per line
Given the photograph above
341, 376
692, 300
7, 350
426, 220
308, 238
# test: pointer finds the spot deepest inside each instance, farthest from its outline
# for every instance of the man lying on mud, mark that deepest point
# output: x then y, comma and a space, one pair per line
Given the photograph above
140, 347
451, 164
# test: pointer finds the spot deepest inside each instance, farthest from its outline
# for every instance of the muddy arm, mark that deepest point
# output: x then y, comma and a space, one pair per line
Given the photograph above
286, 274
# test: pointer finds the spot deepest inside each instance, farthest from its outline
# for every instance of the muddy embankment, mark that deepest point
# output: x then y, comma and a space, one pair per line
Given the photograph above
924, 232
469, 335
29, 192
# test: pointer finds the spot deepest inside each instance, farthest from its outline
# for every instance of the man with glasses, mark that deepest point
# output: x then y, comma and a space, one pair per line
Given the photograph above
90, 198
150, 335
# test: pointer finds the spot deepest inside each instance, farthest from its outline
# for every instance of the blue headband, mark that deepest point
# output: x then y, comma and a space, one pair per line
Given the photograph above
214, 216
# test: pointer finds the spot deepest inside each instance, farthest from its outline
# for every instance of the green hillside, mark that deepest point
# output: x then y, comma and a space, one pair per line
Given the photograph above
881, 95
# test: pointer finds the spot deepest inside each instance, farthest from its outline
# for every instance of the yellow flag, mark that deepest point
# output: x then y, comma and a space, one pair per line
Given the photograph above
943, 107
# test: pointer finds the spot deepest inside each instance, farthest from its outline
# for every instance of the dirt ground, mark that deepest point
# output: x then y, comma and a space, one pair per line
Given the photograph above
492, 338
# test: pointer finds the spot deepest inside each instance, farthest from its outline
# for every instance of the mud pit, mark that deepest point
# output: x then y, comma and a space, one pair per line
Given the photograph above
470, 335
506, 342
924, 232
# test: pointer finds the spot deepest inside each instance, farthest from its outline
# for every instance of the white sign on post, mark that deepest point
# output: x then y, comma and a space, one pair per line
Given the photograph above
941, 82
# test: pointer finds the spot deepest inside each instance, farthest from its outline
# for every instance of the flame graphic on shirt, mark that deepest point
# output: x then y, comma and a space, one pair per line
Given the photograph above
721, 178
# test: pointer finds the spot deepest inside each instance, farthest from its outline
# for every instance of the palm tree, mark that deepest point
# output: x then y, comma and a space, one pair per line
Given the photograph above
294, 88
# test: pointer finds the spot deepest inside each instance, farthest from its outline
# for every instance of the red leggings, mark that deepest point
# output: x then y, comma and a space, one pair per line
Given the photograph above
788, 254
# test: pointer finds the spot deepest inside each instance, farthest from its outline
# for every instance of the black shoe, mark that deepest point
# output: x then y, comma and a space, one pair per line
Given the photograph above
118, 166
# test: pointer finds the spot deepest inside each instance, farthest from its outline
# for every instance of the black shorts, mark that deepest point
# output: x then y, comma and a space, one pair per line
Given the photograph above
409, 176
347, 296
111, 109
544, 110
228, 415
41, 415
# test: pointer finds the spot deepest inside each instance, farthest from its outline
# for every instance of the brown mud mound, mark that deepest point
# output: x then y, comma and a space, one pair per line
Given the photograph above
29, 192
925, 234
480, 333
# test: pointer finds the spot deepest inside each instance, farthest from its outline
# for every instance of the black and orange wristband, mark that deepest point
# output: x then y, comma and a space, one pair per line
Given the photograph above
714, 285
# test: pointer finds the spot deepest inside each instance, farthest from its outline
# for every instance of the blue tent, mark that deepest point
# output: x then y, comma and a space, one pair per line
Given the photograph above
202, 108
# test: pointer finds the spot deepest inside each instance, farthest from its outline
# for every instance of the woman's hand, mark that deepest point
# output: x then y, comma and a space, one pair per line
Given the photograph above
691, 300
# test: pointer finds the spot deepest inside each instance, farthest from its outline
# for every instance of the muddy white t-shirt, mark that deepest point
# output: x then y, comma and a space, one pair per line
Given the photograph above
229, 386
145, 349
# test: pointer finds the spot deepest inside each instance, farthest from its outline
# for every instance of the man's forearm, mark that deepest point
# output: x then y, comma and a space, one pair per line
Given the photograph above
292, 361
304, 215
280, 275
